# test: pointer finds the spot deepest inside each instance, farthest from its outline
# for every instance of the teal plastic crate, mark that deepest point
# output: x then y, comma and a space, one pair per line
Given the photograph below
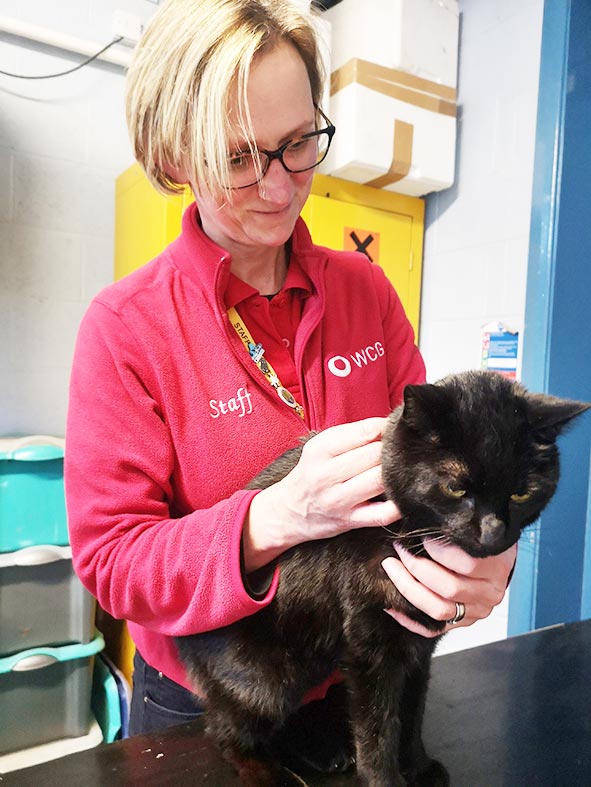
45, 694
107, 703
32, 501
109, 709
42, 601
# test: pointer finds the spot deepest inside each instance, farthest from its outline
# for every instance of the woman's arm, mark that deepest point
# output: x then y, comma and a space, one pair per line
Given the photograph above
132, 548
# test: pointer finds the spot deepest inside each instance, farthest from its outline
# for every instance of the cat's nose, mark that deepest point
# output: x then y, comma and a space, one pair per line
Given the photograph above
492, 531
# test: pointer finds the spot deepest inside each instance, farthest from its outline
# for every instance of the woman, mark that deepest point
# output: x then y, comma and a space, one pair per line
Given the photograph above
170, 414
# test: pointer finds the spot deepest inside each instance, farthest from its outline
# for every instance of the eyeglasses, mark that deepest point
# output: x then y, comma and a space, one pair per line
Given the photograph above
297, 155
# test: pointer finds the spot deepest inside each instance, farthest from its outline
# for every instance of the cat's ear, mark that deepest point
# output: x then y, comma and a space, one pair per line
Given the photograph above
424, 408
549, 415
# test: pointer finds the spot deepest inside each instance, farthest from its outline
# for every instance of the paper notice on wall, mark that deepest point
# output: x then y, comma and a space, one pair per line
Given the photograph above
499, 350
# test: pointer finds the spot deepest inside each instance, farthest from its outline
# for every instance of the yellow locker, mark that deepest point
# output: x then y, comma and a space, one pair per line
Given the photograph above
387, 227
145, 221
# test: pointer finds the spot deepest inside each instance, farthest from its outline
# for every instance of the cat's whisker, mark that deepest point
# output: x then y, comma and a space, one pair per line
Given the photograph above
419, 534
417, 537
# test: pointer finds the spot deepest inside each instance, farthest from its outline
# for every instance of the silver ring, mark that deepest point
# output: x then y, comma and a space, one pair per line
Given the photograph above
460, 612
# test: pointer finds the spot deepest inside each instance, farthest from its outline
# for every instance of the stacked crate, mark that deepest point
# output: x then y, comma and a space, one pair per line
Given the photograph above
47, 636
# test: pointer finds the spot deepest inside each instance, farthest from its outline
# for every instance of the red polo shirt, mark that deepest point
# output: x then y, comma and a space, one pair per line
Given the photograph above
273, 322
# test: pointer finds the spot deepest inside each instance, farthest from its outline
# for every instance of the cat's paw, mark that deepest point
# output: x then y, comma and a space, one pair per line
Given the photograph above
318, 736
337, 761
252, 773
321, 759
431, 775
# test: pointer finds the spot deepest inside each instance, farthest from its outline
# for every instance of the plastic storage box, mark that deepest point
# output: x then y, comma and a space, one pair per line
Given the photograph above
32, 504
45, 694
108, 711
53, 750
109, 705
42, 601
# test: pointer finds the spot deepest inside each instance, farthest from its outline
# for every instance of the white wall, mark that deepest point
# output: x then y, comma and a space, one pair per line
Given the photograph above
62, 142
477, 236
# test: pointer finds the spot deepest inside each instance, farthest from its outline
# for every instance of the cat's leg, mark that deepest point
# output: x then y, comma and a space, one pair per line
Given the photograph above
242, 735
376, 728
419, 769
374, 668
251, 686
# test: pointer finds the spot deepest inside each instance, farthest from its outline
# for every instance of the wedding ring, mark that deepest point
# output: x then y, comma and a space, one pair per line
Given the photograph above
460, 612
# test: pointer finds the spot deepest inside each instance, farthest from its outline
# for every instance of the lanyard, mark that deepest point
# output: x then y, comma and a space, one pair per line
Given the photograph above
256, 352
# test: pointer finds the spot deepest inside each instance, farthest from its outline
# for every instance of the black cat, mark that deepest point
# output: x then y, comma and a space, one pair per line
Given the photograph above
471, 461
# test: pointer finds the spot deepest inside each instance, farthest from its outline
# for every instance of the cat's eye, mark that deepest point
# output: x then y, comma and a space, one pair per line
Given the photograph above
450, 491
521, 498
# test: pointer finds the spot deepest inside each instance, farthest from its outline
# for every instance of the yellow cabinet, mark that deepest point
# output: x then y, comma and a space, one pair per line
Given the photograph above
145, 221
388, 227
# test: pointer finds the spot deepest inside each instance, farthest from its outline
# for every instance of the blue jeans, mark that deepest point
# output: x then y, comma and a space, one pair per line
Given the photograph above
158, 702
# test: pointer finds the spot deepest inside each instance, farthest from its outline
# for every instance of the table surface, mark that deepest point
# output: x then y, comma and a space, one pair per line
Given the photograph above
514, 713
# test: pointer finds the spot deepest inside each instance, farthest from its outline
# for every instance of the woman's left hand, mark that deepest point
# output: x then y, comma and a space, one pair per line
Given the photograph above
434, 586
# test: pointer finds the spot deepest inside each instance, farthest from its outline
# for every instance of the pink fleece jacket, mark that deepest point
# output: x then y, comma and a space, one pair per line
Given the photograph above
169, 419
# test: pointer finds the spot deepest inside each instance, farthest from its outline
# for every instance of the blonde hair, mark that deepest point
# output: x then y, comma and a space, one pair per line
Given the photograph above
192, 62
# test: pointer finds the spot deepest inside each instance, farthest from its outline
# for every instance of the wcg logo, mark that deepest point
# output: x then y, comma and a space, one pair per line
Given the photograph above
342, 367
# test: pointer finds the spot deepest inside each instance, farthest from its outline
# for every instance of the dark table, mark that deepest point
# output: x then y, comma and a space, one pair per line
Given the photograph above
515, 713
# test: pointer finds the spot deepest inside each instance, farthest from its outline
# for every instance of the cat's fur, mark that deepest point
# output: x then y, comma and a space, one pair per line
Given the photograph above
453, 455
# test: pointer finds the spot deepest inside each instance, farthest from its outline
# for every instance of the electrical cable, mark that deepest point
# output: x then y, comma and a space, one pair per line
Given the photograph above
70, 70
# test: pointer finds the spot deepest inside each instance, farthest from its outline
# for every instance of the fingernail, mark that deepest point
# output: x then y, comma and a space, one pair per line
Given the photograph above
388, 563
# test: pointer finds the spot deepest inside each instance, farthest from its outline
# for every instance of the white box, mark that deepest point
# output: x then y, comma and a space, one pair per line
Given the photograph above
390, 134
393, 94
417, 36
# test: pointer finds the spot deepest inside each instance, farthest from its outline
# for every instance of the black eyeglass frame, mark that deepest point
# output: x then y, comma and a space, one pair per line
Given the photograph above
278, 153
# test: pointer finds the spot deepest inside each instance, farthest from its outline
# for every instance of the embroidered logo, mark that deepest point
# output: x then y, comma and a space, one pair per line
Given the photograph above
342, 367
240, 404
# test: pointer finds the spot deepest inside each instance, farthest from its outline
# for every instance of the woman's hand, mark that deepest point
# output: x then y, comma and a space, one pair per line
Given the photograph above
434, 586
324, 495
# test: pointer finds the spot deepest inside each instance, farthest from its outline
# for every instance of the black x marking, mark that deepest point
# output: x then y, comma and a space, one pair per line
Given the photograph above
362, 245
